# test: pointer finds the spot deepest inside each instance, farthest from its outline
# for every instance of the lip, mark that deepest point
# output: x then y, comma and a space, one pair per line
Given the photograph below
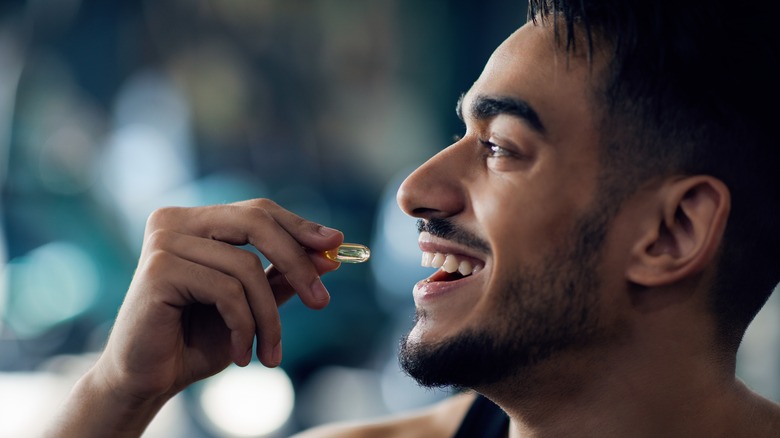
427, 290
429, 243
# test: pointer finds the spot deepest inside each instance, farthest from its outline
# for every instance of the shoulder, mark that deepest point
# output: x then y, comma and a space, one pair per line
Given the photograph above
763, 419
439, 420
748, 415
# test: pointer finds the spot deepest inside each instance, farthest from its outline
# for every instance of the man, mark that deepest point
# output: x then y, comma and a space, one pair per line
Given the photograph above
606, 229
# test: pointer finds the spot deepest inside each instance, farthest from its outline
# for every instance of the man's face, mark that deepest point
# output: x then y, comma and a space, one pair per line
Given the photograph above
514, 203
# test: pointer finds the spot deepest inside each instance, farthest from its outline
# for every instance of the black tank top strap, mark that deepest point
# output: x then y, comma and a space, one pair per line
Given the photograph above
484, 419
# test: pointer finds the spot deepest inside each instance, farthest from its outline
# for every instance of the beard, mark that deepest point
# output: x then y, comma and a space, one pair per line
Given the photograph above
541, 311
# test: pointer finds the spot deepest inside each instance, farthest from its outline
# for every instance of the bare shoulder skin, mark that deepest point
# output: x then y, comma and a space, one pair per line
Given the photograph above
439, 420
761, 417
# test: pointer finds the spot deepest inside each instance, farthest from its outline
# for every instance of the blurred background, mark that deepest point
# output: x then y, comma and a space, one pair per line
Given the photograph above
109, 110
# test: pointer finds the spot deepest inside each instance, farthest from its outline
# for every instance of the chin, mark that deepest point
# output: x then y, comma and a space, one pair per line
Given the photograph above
459, 361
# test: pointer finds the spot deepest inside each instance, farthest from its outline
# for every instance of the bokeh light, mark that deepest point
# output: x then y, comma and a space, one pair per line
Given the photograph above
50, 285
22, 397
249, 401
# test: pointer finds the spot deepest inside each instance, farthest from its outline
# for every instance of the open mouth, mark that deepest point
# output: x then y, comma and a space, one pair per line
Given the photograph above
450, 267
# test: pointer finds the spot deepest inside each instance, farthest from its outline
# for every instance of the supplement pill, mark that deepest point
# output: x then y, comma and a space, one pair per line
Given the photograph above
349, 253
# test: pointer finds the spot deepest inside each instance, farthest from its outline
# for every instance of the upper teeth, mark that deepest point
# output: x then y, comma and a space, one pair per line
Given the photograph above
449, 263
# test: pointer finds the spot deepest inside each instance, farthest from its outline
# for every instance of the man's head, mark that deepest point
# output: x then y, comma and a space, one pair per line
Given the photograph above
688, 91
598, 141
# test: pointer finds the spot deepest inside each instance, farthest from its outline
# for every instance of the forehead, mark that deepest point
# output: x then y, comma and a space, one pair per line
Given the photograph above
531, 66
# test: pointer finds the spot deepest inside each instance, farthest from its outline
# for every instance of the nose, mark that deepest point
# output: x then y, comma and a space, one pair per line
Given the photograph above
434, 190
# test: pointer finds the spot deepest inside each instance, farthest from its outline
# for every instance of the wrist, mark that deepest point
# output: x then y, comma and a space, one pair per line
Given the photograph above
120, 396
97, 407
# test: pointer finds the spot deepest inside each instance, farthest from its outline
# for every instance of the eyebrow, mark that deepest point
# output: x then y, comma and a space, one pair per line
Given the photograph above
486, 107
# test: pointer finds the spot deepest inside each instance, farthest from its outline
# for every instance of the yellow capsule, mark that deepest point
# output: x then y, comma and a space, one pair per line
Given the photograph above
349, 253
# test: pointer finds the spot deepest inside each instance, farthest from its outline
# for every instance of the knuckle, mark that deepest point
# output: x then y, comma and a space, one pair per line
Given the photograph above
232, 287
159, 238
161, 217
250, 262
158, 263
266, 204
260, 216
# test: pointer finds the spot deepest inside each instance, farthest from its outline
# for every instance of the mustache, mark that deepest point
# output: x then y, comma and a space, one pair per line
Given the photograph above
447, 229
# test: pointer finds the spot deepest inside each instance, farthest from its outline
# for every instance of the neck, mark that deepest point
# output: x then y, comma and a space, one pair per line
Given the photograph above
658, 385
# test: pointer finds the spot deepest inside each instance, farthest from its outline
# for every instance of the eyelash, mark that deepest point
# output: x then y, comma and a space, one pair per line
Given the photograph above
493, 150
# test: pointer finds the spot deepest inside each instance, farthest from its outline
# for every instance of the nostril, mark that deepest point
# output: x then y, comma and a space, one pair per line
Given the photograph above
425, 212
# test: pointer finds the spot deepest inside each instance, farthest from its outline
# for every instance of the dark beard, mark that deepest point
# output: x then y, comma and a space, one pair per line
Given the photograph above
545, 309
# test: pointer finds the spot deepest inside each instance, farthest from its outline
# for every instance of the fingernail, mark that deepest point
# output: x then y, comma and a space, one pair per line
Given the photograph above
328, 232
276, 355
319, 291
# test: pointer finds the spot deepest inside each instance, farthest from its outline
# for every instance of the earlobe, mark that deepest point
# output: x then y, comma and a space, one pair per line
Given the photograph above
683, 239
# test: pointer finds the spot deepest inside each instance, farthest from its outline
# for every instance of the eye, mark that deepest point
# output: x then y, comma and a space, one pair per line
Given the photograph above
495, 151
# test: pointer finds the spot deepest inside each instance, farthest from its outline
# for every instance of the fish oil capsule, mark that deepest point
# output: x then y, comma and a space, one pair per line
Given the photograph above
349, 253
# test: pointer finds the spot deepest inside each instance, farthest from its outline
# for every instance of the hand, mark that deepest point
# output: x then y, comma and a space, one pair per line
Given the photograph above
197, 301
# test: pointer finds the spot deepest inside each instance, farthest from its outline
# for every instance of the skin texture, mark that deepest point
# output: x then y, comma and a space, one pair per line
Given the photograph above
649, 365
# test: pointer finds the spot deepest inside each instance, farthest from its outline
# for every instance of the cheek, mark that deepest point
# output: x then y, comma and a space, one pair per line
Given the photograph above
520, 228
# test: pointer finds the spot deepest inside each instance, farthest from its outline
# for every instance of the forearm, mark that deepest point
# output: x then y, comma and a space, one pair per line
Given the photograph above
93, 409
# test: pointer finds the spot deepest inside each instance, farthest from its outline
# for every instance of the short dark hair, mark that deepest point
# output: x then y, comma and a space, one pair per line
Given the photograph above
692, 87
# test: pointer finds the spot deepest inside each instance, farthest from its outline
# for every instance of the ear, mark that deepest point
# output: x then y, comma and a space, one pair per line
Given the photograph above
684, 236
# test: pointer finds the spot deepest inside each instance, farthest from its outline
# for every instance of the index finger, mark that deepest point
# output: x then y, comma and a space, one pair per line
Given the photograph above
282, 289
277, 233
